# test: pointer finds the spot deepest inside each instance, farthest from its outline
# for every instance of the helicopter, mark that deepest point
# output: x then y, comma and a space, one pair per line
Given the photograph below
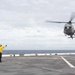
68, 28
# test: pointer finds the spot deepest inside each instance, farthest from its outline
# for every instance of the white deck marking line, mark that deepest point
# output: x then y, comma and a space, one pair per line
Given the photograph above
68, 62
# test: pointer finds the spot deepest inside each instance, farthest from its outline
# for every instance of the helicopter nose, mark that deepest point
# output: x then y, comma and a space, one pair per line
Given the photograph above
67, 27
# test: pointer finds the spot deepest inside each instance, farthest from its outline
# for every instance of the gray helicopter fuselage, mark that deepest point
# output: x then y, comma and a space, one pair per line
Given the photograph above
69, 29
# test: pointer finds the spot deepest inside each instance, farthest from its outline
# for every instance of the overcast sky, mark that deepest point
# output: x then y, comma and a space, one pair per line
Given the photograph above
23, 24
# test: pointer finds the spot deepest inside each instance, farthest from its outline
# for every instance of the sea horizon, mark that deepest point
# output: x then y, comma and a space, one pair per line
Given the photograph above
36, 51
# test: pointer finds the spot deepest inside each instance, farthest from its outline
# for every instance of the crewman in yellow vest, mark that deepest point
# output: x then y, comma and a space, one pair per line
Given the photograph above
1, 50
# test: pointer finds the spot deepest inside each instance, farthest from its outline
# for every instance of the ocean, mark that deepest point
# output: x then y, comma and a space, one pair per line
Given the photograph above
36, 51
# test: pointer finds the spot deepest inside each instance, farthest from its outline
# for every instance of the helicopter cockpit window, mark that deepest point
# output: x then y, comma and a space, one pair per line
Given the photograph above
65, 27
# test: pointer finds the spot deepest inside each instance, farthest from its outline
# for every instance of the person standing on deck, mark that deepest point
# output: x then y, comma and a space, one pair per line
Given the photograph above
1, 50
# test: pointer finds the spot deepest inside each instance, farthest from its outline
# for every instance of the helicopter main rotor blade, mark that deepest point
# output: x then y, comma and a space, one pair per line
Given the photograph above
55, 22
72, 16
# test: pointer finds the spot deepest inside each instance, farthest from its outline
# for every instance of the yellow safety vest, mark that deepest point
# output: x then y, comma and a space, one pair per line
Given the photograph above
1, 48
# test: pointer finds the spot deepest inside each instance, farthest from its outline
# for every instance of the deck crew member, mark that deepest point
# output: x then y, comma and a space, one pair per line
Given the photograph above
1, 50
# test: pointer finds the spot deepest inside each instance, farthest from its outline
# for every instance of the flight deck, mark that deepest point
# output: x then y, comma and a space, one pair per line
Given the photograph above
38, 65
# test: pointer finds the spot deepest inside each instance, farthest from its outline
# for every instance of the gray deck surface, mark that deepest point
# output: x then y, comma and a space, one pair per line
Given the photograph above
37, 65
